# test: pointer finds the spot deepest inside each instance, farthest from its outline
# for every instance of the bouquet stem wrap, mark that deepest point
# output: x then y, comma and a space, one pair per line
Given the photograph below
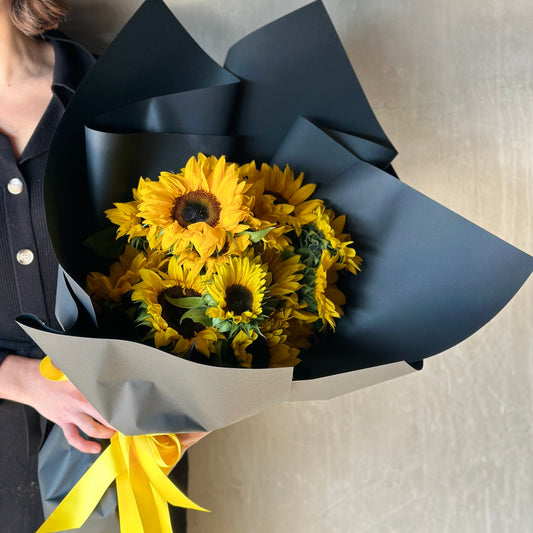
140, 465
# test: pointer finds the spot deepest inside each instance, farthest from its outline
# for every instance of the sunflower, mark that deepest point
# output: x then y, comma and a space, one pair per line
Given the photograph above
263, 214
123, 274
298, 334
240, 343
281, 353
235, 246
276, 329
286, 274
266, 210
329, 298
237, 290
126, 215
195, 208
166, 319
282, 198
331, 228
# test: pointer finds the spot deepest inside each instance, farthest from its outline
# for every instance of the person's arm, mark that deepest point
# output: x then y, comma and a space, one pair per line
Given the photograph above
58, 401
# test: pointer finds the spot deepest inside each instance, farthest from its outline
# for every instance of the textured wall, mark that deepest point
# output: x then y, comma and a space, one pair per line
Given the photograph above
447, 449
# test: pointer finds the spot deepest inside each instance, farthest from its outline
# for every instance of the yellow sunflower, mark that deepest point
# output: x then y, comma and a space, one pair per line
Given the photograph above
283, 198
298, 334
196, 207
238, 290
329, 298
123, 274
236, 246
126, 215
286, 275
166, 318
276, 332
265, 210
281, 353
332, 228
240, 343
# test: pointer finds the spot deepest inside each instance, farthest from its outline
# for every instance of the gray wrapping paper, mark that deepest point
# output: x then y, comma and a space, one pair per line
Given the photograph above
140, 390
60, 467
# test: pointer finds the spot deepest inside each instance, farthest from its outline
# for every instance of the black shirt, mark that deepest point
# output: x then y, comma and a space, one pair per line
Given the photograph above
28, 274
28, 267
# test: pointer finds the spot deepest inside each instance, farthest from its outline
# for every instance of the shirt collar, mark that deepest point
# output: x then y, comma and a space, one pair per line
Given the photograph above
72, 62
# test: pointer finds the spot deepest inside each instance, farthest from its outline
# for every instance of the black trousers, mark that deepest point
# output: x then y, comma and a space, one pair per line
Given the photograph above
20, 500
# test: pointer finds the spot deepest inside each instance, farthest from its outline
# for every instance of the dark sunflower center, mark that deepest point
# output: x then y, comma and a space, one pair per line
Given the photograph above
279, 198
172, 314
196, 206
239, 299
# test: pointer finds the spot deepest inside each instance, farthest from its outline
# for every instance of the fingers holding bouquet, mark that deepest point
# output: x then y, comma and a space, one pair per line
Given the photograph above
61, 402
190, 439
80, 415
55, 398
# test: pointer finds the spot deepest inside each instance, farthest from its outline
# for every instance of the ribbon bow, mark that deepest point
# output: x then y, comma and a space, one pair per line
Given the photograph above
140, 465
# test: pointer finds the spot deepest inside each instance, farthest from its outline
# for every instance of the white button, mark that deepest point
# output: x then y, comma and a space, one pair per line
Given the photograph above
25, 256
15, 186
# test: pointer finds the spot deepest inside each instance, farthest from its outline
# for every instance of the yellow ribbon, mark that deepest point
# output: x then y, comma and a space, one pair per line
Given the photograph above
50, 371
140, 465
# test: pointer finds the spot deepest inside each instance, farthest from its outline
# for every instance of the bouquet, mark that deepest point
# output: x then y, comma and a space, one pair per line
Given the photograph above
233, 263
153, 100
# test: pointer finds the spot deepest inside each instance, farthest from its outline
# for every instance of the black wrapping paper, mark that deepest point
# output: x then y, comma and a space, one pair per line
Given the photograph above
287, 95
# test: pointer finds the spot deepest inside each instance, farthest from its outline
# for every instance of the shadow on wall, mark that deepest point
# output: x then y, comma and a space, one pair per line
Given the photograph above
94, 23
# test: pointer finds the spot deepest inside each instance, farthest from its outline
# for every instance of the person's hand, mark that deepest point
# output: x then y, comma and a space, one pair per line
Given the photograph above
189, 439
58, 401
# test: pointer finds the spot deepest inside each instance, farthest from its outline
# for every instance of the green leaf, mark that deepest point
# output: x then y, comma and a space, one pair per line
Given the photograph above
235, 328
139, 243
287, 254
259, 332
189, 302
197, 315
217, 356
142, 317
257, 236
224, 327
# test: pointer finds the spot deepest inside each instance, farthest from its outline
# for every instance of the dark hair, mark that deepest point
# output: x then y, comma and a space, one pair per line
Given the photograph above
33, 17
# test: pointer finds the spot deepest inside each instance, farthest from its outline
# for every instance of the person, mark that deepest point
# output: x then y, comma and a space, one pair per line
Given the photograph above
39, 71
